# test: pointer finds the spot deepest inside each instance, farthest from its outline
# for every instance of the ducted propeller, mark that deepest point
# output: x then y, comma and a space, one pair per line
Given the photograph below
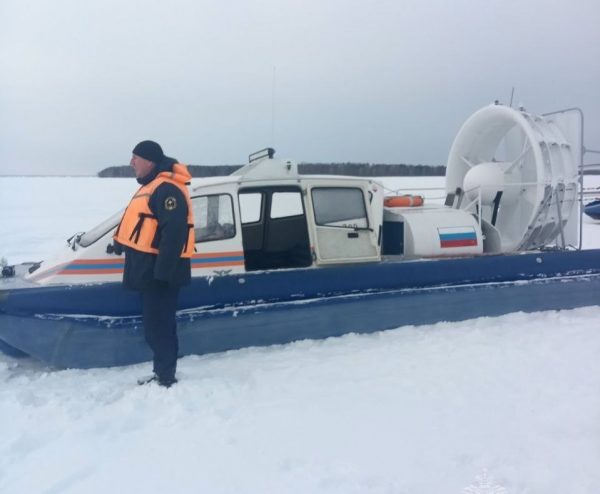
519, 174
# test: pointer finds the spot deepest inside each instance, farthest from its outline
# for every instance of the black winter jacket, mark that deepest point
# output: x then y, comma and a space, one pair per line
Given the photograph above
143, 270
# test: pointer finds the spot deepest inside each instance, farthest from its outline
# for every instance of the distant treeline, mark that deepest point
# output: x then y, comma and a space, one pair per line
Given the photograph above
195, 170
356, 169
371, 170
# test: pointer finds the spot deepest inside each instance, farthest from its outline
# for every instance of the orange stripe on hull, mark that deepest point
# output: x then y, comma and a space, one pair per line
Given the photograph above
208, 255
97, 261
70, 272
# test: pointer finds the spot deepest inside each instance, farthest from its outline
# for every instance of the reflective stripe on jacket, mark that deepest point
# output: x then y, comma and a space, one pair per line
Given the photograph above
138, 227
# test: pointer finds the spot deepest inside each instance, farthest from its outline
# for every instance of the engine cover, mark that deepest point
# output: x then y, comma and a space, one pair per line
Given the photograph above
437, 232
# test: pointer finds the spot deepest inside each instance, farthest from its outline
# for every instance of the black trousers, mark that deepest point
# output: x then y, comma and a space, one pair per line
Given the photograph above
159, 303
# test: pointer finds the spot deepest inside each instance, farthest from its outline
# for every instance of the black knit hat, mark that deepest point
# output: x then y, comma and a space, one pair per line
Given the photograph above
149, 150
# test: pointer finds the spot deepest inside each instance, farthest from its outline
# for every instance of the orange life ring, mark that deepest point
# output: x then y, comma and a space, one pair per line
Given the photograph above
405, 201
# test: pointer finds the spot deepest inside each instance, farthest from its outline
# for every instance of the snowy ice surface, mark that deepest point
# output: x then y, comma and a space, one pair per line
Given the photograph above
492, 405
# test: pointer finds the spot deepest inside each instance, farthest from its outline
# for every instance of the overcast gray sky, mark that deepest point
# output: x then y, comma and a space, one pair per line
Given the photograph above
81, 82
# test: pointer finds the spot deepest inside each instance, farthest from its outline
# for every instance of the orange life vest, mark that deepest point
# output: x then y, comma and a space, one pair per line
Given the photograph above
138, 226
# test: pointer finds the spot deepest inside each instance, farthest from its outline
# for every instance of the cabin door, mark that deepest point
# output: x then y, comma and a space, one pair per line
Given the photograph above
344, 231
274, 230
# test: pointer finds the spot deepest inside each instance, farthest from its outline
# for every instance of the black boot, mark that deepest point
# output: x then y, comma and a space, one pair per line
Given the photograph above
167, 382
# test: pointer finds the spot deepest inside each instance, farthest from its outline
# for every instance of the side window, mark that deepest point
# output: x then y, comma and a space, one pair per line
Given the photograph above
341, 207
213, 217
286, 204
250, 207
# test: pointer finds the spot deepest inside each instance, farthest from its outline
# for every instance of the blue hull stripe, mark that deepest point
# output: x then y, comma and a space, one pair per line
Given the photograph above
211, 260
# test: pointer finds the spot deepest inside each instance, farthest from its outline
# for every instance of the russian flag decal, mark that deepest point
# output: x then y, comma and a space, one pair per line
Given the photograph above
457, 236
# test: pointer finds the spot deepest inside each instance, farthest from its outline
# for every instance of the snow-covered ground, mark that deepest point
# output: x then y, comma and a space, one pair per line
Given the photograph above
492, 405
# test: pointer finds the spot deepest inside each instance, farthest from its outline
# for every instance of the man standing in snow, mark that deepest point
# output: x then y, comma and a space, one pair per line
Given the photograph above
157, 233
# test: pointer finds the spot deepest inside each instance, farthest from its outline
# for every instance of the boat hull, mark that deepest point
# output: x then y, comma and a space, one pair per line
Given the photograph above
99, 325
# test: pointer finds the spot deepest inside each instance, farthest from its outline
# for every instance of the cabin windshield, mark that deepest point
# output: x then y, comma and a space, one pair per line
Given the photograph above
96, 233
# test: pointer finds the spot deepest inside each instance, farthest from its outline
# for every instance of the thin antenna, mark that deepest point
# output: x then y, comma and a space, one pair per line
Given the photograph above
512, 93
272, 142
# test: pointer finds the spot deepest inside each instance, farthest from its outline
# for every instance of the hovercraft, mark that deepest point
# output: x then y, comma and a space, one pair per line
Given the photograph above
592, 209
282, 256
